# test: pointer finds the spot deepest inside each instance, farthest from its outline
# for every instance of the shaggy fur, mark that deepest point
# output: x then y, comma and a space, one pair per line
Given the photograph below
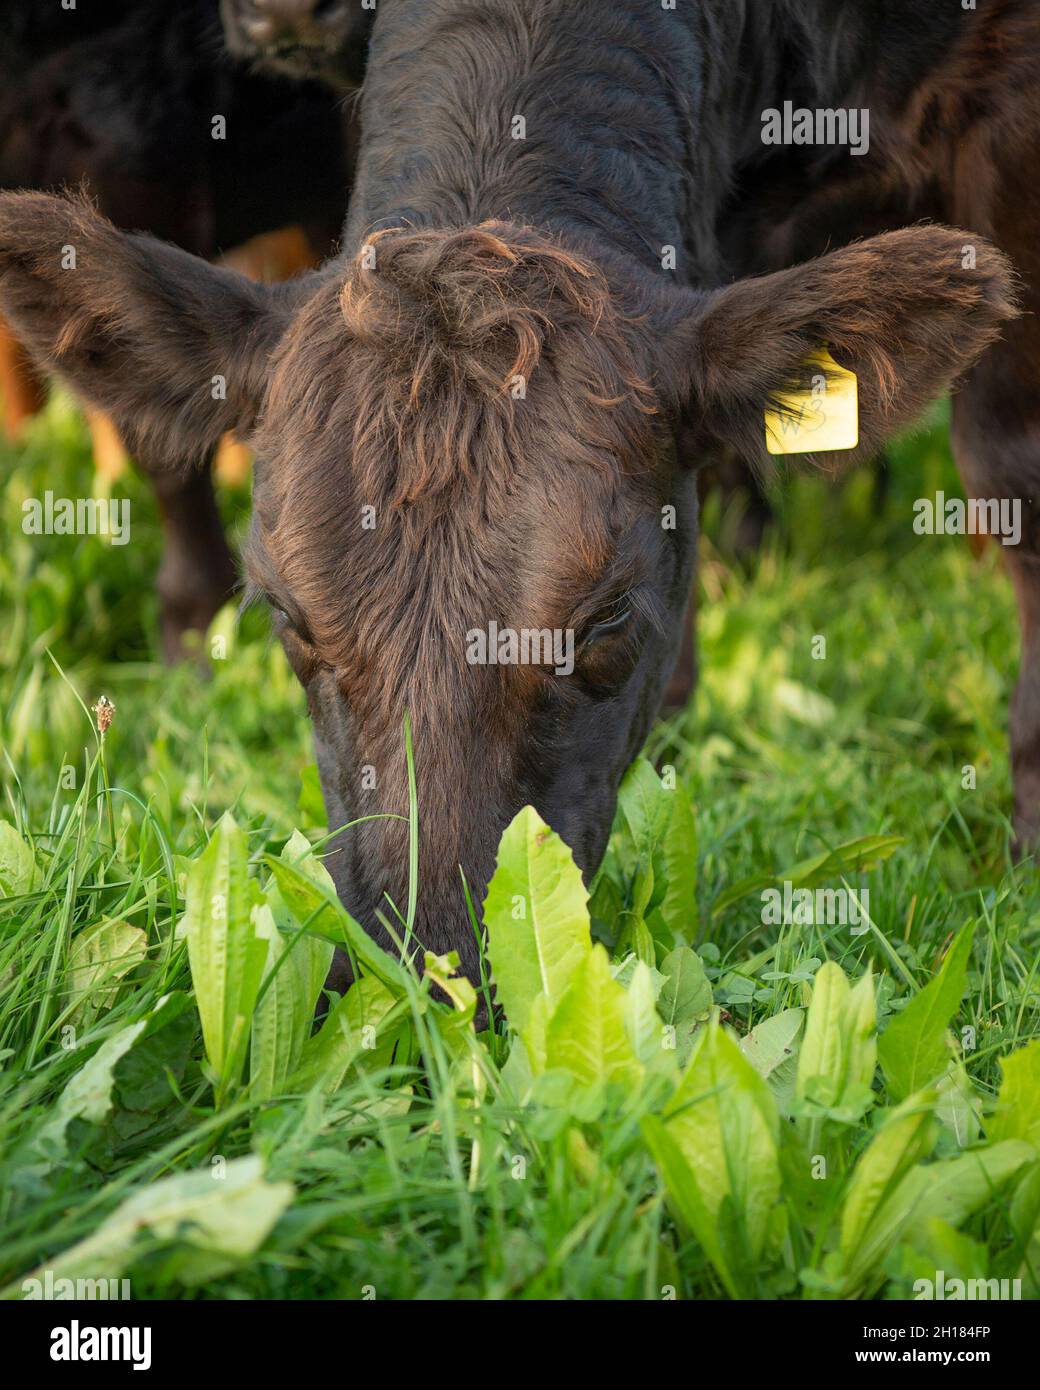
408, 491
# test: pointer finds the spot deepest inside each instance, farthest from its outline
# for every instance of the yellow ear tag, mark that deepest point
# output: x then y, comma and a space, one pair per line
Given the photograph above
821, 419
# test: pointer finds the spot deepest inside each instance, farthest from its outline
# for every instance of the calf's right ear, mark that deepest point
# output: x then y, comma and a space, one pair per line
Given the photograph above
174, 349
905, 312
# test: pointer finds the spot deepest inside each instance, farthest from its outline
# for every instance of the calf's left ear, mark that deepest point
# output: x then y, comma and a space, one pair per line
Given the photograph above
907, 312
174, 349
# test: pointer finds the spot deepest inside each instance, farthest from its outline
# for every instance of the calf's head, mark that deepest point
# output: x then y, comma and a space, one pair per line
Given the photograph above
474, 496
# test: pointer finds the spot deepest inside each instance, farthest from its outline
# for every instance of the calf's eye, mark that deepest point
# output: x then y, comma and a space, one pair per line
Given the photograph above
610, 622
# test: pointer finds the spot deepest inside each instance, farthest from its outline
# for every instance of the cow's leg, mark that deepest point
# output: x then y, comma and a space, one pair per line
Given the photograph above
996, 426
21, 385
197, 574
996, 442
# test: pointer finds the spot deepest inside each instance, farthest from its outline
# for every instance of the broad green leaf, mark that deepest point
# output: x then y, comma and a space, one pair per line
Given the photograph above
88, 1095
960, 1106
354, 1029
299, 852
297, 967
839, 1052
534, 1033
643, 805
958, 1187
17, 866
607, 899
914, 1050
311, 898
635, 934
688, 1202
821, 1062
158, 1057
885, 1188
215, 1220
98, 960
1017, 1113
860, 1034
227, 948
719, 1156
672, 916
537, 917
586, 1033
684, 1002
518, 1075
624, 970
772, 1049
952, 1256
661, 849
642, 1021
1025, 1206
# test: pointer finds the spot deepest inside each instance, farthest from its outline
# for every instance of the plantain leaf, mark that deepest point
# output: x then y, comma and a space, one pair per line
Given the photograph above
354, 1030
717, 1148
212, 1221
310, 895
227, 948
537, 917
586, 1034
838, 1055
17, 865
98, 960
885, 1189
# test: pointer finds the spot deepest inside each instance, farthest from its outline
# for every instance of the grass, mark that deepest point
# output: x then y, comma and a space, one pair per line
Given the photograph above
445, 1165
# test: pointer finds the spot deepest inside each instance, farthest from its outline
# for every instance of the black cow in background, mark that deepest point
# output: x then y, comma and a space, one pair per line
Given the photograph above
140, 101
322, 39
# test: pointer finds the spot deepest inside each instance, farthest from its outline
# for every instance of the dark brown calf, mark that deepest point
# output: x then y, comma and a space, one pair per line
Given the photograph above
486, 414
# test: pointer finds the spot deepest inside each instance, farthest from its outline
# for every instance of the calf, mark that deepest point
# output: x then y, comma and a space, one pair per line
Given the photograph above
139, 102
486, 414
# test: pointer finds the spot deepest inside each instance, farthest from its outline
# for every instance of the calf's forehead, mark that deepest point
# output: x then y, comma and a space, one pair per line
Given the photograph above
534, 549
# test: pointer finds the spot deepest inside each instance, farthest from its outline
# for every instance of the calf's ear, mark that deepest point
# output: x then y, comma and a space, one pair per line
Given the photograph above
907, 312
174, 349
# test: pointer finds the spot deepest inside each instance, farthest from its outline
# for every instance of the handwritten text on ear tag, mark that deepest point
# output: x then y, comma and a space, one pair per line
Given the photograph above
819, 420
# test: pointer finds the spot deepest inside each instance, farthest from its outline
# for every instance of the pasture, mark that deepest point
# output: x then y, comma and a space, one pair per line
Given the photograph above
167, 1117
